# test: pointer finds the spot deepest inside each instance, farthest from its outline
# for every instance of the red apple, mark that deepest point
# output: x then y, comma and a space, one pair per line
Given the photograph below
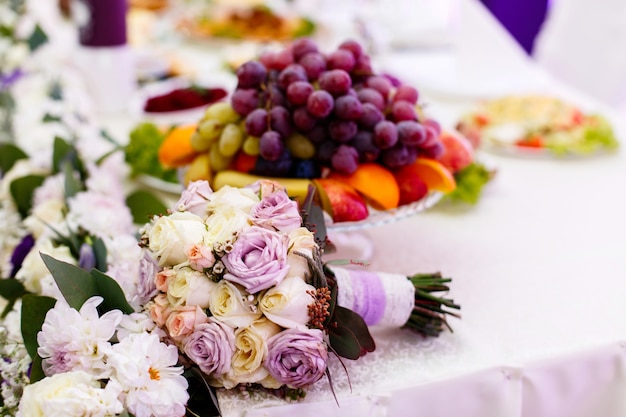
341, 200
458, 151
412, 187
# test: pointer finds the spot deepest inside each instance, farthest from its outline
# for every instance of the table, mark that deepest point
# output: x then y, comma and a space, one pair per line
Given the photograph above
537, 266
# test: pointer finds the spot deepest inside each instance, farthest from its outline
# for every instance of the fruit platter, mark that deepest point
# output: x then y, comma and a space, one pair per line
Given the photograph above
537, 125
256, 23
328, 121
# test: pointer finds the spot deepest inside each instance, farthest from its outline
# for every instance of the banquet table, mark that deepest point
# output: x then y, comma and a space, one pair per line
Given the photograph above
537, 265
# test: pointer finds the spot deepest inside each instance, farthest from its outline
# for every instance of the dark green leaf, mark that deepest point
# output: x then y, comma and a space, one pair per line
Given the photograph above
100, 251
37, 38
202, 398
143, 205
50, 118
112, 293
11, 289
61, 152
34, 309
76, 284
73, 184
22, 190
36, 370
350, 338
9, 155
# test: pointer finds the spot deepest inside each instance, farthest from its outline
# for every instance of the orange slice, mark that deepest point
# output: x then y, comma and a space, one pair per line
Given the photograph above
436, 176
374, 182
176, 149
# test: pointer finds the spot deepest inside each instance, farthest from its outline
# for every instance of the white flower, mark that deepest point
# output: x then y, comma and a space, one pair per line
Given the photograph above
52, 189
231, 304
224, 225
286, 304
171, 236
145, 369
227, 196
135, 323
77, 340
99, 214
70, 394
189, 287
108, 177
46, 219
123, 255
33, 271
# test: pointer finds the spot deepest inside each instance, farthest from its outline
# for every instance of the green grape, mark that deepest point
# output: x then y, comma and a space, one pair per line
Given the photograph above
251, 145
300, 147
222, 112
230, 140
208, 132
217, 161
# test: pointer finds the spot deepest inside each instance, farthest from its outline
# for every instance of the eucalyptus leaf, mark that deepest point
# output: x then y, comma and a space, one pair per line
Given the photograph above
47, 118
61, 152
350, 337
76, 284
143, 205
33, 314
11, 289
112, 293
100, 250
73, 184
36, 370
9, 155
37, 38
22, 190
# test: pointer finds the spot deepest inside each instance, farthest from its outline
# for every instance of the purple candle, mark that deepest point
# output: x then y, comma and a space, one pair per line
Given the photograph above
102, 22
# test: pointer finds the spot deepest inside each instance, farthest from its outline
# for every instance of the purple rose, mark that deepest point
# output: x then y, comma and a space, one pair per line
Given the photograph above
211, 347
258, 259
277, 211
297, 357
146, 286
195, 198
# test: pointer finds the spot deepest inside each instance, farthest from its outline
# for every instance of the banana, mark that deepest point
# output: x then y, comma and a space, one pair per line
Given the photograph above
296, 187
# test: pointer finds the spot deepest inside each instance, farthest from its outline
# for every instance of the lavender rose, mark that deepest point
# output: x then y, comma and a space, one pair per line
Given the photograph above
211, 347
195, 198
297, 358
258, 259
277, 211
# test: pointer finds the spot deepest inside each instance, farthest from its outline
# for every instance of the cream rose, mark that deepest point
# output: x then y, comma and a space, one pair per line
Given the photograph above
189, 287
34, 270
286, 304
171, 236
227, 196
232, 305
251, 350
301, 241
69, 394
224, 224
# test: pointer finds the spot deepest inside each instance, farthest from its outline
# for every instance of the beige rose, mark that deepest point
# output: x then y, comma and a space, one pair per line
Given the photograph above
251, 350
301, 241
286, 304
189, 287
171, 236
227, 196
224, 224
232, 305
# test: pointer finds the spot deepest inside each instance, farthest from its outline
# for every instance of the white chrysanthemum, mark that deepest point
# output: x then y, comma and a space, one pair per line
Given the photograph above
53, 188
145, 369
99, 214
77, 340
108, 177
123, 255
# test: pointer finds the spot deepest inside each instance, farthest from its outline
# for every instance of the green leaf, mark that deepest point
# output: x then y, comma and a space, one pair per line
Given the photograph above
11, 289
60, 153
34, 309
50, 118
37, 38
9, 155
22, 190
350, 338
100, 251
109, 289
36, 370
143, 205
76, 284
73, 184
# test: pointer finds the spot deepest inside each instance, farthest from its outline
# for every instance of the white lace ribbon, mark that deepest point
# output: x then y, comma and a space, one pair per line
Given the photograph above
381, 298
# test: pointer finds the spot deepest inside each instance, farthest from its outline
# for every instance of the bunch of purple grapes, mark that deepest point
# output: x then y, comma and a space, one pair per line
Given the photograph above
312, 110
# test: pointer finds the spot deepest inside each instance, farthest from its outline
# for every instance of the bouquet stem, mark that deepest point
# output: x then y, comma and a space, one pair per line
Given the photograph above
430, 312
